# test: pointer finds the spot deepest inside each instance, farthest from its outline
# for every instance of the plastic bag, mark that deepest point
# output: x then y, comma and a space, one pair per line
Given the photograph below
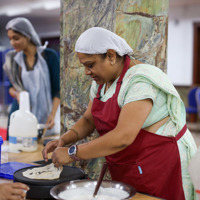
194, 171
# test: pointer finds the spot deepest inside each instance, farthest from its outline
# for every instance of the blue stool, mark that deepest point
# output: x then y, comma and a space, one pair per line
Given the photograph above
192, 109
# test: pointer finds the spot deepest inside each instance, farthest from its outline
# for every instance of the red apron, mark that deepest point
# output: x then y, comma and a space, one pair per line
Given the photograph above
151, 163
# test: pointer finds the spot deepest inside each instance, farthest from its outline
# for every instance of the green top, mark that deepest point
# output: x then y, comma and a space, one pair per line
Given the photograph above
146, 81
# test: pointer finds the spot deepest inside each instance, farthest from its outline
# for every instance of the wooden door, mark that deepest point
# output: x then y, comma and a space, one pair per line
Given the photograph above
196, 62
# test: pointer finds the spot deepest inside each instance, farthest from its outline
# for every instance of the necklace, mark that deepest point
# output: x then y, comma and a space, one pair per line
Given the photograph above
108, 85
106, 88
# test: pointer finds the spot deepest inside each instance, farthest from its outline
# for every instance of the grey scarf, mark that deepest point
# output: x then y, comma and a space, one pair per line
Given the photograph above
10, 68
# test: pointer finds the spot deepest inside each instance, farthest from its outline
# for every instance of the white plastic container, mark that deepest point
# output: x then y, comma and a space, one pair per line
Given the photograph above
23, 127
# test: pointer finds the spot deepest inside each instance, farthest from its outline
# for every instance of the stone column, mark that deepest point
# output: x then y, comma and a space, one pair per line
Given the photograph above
142, 23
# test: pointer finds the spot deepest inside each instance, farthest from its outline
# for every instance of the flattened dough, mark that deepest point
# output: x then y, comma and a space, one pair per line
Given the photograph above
48, 172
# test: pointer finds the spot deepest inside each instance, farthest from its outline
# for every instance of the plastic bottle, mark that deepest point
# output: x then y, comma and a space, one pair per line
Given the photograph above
23, 127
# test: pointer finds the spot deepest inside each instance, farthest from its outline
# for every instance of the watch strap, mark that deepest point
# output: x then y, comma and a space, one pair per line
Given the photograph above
75, 158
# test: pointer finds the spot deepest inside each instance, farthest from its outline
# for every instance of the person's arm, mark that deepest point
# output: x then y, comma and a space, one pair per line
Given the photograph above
52, 60
53, 64
84, 127
51, 117
14, 191
14, 93
131, 119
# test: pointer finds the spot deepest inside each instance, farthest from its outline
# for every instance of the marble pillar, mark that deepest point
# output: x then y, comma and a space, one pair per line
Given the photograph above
142, 23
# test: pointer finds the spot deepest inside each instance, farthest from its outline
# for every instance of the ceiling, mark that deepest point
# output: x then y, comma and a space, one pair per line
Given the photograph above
50, 8
173, 3
32, 8
44, 9
44, 14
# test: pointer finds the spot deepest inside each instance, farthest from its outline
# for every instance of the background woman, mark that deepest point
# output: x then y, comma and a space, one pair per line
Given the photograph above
33, 68
139, 116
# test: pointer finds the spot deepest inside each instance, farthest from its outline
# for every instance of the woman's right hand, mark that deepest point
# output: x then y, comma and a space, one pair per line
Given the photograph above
14, 93
51, 146
17, 96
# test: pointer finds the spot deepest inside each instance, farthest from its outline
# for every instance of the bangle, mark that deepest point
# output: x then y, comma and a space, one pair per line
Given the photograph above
77, 135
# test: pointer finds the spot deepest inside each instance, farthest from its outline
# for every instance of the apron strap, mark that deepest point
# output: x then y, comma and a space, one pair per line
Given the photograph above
99, 90
125, 68
181, 133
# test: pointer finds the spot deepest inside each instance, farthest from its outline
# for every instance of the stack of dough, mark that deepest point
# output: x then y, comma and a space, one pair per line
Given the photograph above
48, 172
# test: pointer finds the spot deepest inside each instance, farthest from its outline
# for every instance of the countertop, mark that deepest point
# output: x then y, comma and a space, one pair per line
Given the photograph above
26, 157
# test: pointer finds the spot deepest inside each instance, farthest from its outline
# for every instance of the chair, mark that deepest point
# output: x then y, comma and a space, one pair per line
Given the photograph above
197, 96
192, 109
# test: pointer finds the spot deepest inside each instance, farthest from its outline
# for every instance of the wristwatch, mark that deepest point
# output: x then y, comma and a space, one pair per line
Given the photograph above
72, 152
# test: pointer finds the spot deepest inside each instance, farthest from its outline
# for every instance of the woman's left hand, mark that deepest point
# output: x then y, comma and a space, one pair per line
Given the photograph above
60, 156
14, 191
50, 121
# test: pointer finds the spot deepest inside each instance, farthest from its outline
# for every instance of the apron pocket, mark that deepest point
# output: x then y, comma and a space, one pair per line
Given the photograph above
131, 173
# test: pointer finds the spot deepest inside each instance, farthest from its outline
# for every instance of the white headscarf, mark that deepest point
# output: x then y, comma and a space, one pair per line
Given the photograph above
24, 26
98, 40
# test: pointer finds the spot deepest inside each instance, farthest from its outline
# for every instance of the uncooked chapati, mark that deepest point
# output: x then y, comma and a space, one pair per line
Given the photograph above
48, 172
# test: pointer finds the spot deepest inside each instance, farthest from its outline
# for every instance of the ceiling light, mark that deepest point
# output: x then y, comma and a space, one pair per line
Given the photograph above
12, 11
49, 5
27, 7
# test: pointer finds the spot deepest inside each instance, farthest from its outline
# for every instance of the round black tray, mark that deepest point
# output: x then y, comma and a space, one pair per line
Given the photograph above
40, 189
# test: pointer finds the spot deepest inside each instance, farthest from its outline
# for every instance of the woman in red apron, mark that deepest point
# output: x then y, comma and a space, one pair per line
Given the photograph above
148, 161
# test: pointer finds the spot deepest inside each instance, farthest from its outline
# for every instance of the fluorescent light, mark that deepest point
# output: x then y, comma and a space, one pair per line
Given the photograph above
27, 7
49, 5
12, 11
45, 4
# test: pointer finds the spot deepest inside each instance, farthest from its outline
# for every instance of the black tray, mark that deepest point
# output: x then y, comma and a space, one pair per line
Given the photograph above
40, 189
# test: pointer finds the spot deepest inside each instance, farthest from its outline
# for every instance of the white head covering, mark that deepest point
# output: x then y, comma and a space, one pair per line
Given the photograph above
24, 26
98, 40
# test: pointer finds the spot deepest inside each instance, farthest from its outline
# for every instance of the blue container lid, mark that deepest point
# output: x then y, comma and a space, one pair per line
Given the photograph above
8, 169
1, 140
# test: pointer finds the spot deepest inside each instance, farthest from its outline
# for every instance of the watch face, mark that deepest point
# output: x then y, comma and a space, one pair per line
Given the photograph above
72, 150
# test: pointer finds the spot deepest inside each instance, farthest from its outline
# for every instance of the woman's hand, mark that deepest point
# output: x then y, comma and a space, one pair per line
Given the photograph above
60, 156
50, 121
51, 146
51, 118
17, 96
13, 191
14, 93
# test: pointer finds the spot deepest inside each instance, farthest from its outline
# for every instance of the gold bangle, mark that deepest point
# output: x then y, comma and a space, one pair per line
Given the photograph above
77, 135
